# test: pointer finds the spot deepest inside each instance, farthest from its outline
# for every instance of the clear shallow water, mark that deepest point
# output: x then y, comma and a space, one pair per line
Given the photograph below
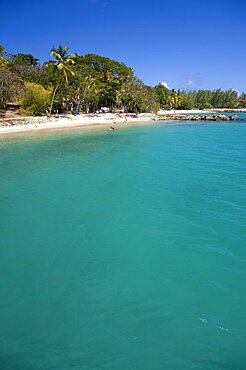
124, 250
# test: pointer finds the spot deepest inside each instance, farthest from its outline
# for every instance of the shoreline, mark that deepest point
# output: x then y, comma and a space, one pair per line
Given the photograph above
89, 122
204, 111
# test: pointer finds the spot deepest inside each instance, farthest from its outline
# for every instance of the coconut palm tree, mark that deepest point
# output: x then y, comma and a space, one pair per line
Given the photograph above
62, 66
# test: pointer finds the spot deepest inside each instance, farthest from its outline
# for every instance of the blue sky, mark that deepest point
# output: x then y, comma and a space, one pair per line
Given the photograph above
188, 44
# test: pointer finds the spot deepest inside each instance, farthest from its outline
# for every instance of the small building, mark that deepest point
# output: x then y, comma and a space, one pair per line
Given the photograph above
240, 102
12, 109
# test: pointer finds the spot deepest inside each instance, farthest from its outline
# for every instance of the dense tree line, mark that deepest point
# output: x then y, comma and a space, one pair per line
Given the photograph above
201, 99
85, 83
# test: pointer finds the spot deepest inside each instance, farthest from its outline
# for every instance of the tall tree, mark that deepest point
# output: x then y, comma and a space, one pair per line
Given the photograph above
27, 59
11, 86
62, 66
175, 100
162, 93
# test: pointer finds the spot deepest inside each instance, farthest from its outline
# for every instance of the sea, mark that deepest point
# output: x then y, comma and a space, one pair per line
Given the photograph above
125, 249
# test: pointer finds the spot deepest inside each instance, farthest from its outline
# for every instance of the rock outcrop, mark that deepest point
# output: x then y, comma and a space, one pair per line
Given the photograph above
193, 117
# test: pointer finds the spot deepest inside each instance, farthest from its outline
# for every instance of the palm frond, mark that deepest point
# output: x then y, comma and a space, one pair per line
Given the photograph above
60, 66
63, 61
56, 55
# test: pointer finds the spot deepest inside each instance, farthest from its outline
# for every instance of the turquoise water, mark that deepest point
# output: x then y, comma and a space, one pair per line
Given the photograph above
124, 250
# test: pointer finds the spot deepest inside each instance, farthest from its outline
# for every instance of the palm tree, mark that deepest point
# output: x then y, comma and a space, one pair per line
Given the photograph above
62, 66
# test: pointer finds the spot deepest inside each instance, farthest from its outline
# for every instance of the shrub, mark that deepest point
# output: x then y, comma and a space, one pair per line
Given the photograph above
35, 100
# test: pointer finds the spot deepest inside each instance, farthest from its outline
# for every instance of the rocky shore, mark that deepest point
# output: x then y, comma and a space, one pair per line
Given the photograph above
22, 121
193, 117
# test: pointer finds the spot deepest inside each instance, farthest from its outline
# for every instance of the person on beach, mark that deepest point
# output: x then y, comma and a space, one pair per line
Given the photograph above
125, 118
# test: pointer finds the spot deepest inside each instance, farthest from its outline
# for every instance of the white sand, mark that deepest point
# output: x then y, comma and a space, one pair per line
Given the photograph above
235, 110
181, 111
84, 120
92, 121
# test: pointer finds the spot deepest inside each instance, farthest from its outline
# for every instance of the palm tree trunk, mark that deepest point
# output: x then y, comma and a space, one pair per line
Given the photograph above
55, 91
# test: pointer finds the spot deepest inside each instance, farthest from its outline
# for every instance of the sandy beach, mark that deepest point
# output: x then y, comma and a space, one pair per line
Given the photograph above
87, 121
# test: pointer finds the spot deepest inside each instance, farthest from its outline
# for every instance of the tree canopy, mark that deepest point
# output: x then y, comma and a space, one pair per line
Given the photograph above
85, 83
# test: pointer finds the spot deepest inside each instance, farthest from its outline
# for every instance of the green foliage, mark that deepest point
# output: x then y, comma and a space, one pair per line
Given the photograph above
99, 81
11, 86
61, 66
32, 74
3, 62
162, 93
89, 82
26, 59
243, 96
224, 99
201, 99
188, 100
107, 81
36, 99
25, 66
175, 101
